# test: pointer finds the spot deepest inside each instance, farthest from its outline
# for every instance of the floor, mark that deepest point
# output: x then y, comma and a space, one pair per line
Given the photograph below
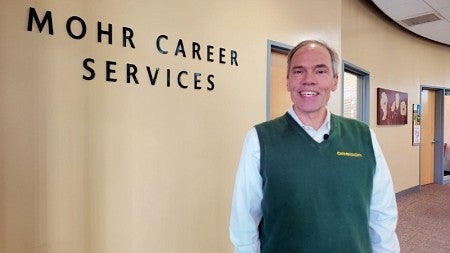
424, 220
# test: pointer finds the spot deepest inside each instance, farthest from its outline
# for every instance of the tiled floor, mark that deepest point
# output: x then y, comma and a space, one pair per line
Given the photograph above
424, 220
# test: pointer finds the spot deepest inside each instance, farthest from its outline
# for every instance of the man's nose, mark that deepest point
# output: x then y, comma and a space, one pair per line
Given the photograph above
308, 78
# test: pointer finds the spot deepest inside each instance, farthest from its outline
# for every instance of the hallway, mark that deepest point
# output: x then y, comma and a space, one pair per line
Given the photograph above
424, 220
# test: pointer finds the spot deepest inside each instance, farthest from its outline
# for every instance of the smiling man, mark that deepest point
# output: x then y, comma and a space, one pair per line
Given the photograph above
312, 181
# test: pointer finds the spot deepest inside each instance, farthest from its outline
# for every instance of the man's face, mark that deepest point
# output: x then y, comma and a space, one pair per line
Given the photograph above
311, 79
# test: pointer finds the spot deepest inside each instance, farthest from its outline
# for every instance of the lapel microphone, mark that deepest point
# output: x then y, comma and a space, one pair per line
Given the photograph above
326, 136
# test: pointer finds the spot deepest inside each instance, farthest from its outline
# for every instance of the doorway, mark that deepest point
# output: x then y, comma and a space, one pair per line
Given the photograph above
427, 142
432, 161
447, 135
278, 98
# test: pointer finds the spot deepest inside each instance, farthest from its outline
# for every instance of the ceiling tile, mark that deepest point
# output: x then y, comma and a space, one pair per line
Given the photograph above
387, 4
430, 28
438, 4
445, 13
401, 9
411, 9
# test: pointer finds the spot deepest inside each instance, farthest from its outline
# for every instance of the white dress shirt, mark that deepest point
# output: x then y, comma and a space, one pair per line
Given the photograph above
246, 211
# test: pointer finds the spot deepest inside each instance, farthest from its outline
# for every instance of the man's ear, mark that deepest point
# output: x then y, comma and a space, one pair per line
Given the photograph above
335, 82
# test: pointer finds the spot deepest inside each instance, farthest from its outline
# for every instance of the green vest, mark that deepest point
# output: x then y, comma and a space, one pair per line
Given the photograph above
316, 196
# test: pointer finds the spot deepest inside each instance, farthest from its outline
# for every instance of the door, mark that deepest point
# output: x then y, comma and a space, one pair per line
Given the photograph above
427, 134
280, 100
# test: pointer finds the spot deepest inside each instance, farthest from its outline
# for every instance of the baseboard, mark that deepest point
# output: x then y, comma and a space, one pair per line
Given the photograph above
407, 191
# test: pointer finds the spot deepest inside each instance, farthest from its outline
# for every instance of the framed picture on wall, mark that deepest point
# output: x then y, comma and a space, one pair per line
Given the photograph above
391, 107
416, 125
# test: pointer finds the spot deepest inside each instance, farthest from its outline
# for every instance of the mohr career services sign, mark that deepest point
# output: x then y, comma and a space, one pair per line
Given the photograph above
76, 29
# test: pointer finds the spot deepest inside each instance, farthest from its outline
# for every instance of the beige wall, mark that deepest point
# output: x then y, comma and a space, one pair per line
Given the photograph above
396, 60
90, 166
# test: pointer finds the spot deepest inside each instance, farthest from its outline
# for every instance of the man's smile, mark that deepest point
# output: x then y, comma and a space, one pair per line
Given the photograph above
309, 93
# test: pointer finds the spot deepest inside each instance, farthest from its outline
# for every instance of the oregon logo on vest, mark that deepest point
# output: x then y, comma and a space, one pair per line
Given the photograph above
349, 154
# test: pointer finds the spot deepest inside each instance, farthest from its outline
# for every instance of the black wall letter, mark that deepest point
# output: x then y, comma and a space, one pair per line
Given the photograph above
152, 78
210, 81
221, 55
168, 77
109, 71
107, 32
131, 72
162, 36
234, 57
32, 15
88, 68
69, 27
179, 79
180, 48
196, 50
127, 35
197, 80
209, 53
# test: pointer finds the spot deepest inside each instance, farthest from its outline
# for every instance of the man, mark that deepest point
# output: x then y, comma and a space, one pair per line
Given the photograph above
312, 181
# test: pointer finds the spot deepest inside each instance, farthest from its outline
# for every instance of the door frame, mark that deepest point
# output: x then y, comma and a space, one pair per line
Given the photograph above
438, 134
280, 48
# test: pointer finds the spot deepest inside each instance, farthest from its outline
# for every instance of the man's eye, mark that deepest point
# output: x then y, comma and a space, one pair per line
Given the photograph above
321, 71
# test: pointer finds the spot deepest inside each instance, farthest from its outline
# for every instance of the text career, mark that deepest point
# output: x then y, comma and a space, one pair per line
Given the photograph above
76, 28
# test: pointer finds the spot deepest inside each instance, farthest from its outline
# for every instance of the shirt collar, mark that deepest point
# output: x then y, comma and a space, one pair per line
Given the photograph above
324, 128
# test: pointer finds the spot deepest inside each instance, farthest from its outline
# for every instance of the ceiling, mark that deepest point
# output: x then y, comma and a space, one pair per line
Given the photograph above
427, 18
